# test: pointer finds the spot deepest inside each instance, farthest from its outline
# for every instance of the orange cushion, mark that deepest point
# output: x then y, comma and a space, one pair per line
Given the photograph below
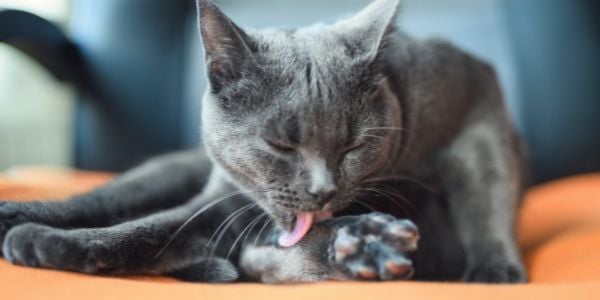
559, 233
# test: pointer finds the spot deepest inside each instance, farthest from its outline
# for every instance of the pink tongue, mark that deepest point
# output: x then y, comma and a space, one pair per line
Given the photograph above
303, 223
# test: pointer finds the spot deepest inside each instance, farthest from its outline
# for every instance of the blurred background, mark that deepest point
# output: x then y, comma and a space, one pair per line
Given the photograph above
104, 85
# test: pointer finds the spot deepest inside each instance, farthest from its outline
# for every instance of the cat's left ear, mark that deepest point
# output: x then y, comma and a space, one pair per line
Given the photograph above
366, 32
227, 47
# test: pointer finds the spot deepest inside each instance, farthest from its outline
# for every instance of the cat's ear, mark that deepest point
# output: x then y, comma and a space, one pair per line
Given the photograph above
227, 47
366, 31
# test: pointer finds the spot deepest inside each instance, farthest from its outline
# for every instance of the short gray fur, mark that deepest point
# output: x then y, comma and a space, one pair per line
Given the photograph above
351, 117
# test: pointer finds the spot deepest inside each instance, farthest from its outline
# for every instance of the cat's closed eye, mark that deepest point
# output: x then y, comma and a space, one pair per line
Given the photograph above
279, 146
354, 146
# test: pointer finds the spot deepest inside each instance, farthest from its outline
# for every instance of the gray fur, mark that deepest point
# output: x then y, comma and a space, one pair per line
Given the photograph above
348, 117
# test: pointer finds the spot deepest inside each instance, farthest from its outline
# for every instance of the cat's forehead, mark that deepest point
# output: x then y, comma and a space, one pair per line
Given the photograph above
295, 49
311, 67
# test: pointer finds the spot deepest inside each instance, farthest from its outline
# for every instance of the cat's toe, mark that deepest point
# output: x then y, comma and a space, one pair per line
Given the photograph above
496, 272
375, 248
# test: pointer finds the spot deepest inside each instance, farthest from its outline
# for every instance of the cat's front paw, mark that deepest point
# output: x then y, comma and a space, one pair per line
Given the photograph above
496, 272
22, 245
41, 246
374, 247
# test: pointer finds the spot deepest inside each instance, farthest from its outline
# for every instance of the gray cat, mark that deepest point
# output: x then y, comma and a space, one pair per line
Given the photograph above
320, 144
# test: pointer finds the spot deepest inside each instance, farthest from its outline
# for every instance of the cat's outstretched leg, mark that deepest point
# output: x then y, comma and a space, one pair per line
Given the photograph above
160, 183
133, 247
367, 247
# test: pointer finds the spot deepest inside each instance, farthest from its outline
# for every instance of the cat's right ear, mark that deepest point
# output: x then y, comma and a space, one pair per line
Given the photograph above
227, 47
368, 30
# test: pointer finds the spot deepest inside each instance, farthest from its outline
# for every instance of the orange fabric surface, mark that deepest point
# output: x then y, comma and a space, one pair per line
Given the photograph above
559, 233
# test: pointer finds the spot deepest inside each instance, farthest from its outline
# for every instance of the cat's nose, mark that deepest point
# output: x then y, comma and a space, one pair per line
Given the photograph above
322, 184
324, 194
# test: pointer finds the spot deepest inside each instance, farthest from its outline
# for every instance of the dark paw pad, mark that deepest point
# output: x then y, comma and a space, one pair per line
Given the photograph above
374, 248
496, 273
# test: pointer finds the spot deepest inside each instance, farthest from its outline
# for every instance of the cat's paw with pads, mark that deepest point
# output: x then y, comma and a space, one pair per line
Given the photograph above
374, 247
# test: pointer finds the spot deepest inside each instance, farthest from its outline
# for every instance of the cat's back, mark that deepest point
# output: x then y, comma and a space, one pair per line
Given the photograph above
441, 88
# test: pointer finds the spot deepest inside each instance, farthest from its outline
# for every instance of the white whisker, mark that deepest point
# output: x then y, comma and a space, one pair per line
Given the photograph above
404, 149
236, 215
261, 230
226, 221
385, 128
365, 205
248, 228
195, 215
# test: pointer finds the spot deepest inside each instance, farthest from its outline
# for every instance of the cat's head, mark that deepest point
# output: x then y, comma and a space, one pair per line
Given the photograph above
299, 117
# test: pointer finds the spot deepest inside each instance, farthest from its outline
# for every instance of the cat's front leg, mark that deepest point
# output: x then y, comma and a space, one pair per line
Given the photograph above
367, 247
139, 246
139, 192
482, 174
